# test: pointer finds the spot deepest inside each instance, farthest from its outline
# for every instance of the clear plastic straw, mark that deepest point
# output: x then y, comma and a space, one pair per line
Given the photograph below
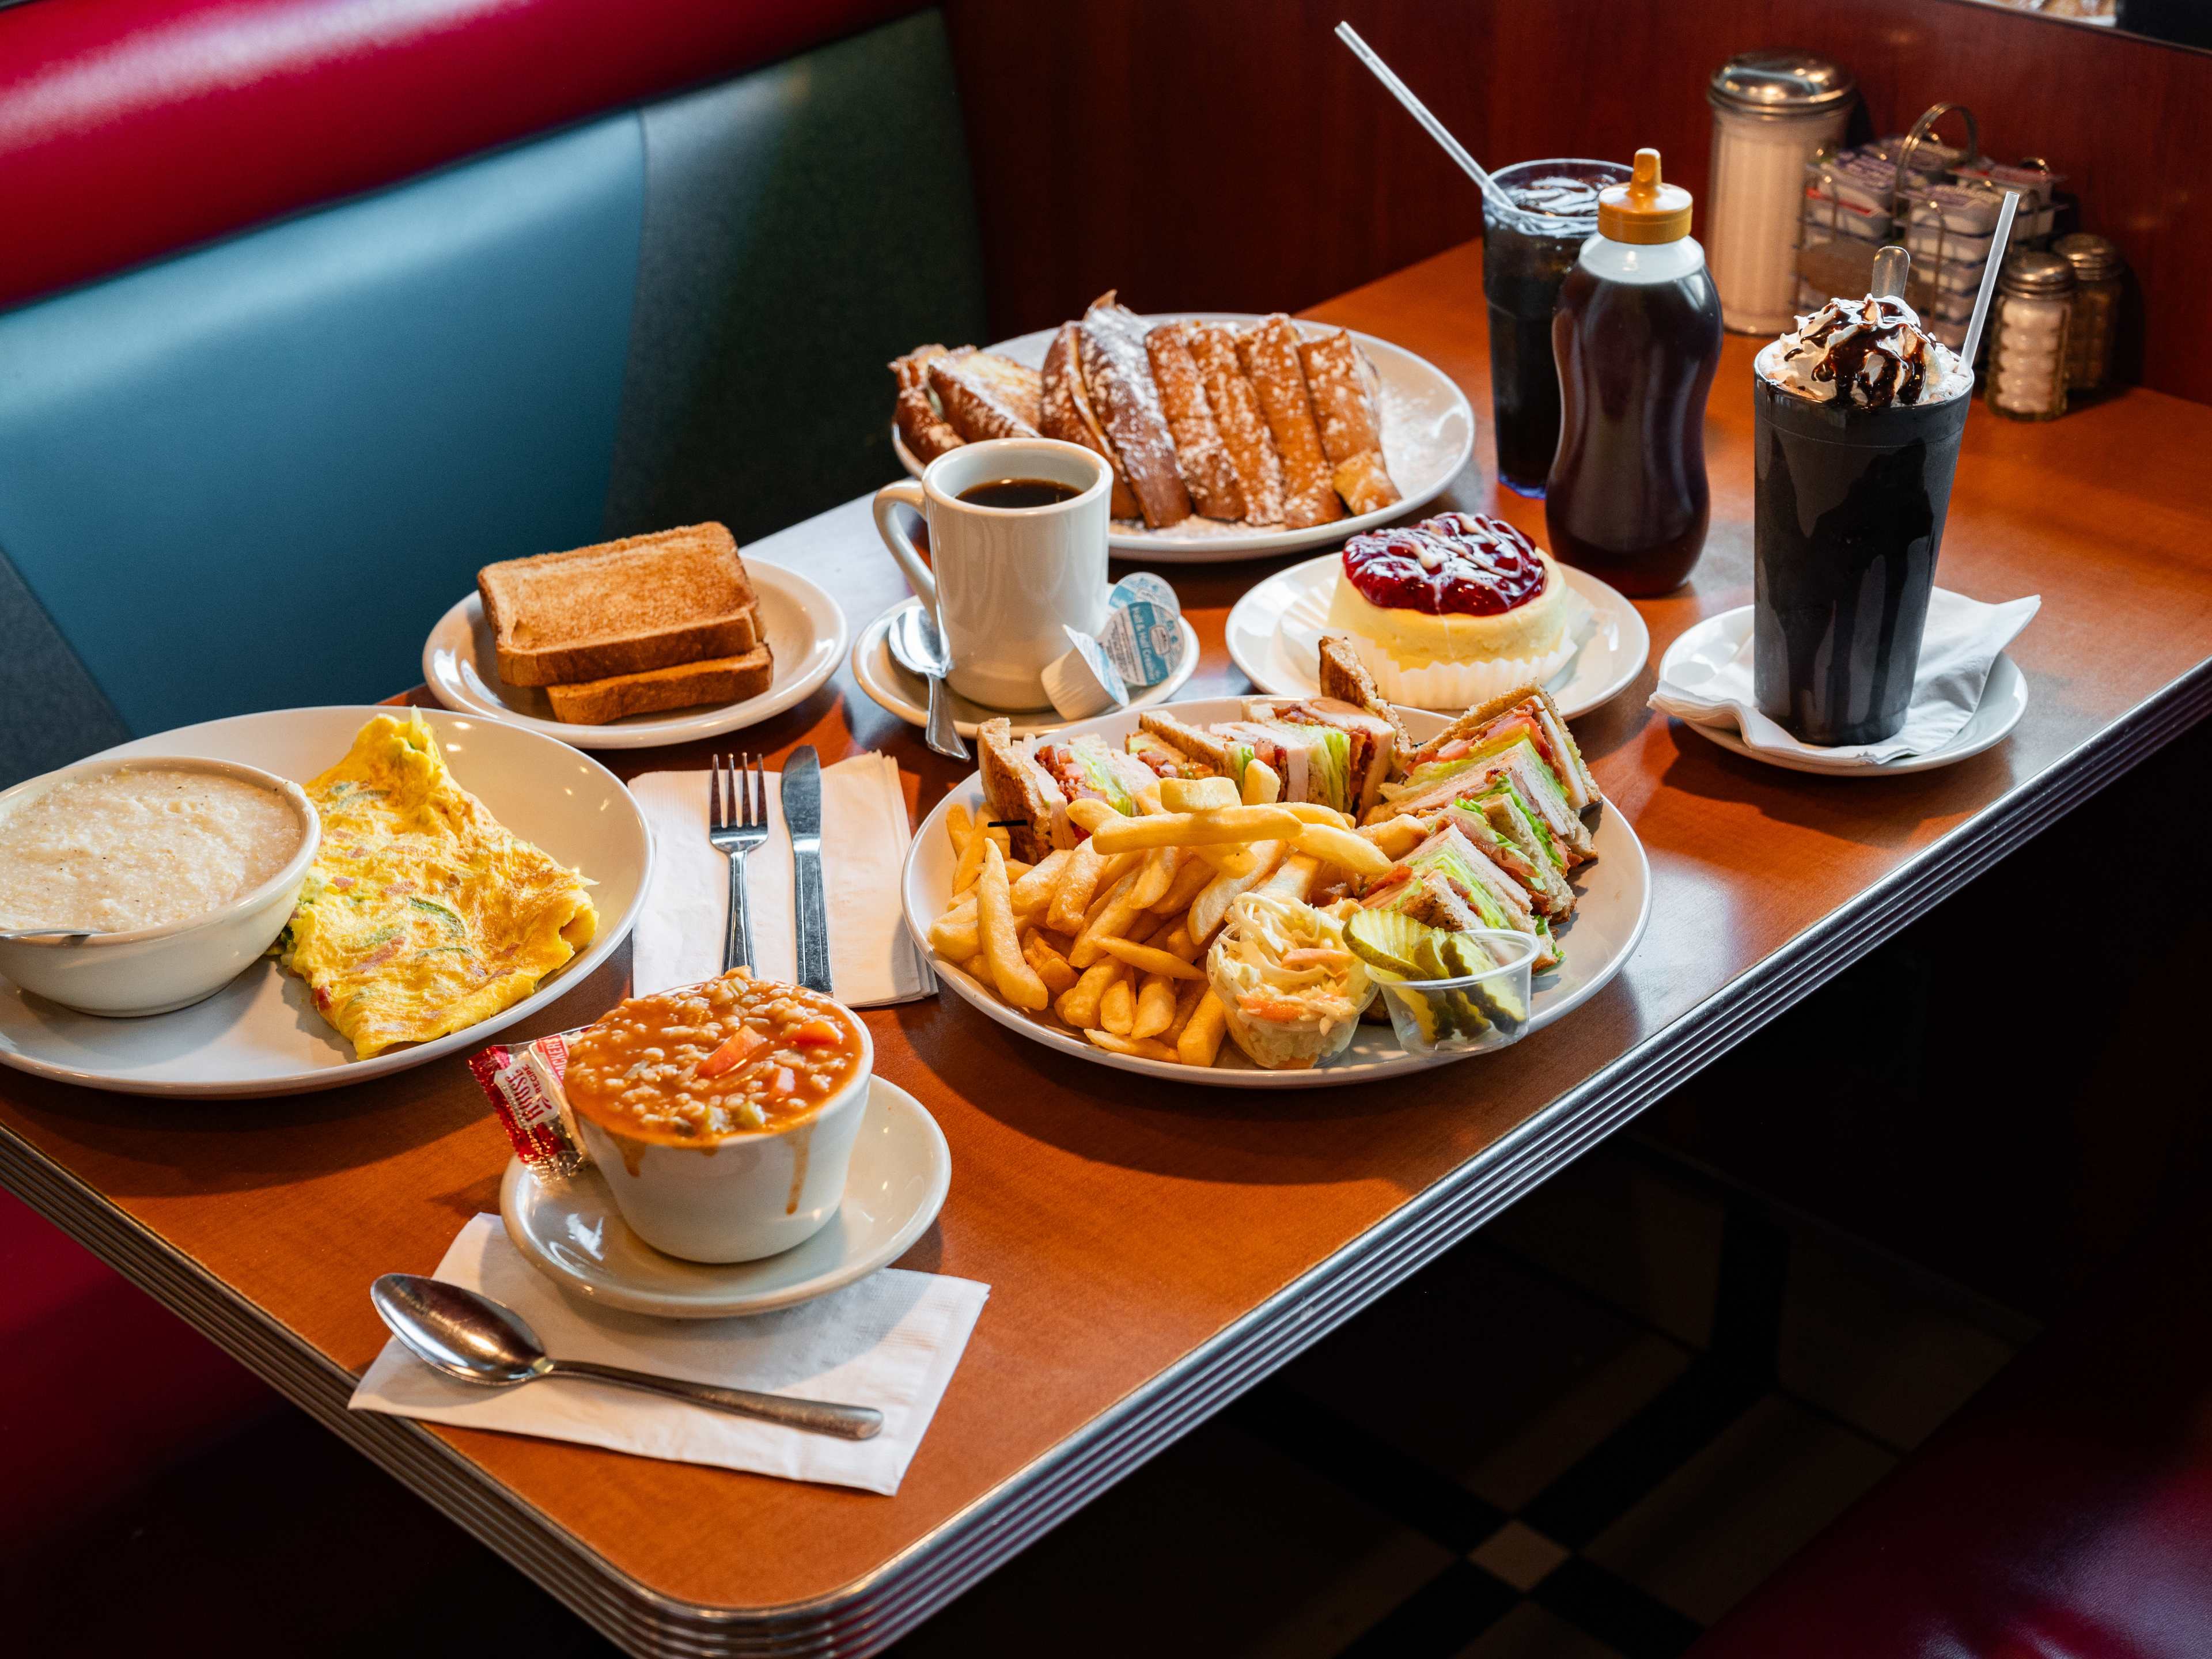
1430, 124
2000, 240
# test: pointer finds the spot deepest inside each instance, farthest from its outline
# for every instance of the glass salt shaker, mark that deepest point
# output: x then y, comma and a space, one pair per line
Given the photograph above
1772, 110
2028, 336
2097, 268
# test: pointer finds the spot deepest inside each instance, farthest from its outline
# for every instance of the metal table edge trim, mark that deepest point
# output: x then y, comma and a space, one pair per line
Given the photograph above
885, 1602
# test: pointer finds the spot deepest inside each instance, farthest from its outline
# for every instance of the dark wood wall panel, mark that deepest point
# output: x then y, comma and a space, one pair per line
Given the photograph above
1231, 154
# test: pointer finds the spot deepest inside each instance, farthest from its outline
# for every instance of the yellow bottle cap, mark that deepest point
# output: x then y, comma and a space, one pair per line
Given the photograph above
1644, 209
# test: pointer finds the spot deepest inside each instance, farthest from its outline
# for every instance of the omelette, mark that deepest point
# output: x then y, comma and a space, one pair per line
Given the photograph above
421, 914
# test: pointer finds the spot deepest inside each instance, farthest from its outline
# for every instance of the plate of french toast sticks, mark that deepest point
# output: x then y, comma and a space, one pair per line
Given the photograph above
647, 640
1231, 436
1278, 892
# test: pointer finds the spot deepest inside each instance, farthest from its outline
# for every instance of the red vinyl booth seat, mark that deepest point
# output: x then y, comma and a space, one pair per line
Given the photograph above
130, 129
99, 1384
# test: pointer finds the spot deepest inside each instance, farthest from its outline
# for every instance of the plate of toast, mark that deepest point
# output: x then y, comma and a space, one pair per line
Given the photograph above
632, 643
1231, 436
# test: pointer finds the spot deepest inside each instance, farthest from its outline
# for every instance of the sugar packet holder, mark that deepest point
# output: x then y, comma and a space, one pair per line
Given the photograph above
1137, 645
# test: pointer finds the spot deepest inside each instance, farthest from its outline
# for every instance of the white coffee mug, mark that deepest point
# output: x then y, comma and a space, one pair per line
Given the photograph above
1006, 582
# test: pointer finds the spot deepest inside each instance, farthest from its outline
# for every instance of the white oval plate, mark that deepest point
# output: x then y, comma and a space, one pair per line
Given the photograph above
1616, 904
260, 1034
902, 1169
899, 693
1716, 640
1428, 433
1274, 634
805, 631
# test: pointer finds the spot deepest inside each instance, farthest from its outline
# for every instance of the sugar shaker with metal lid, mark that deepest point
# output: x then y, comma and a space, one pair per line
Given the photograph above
2098, 270
2028, 336
1771, 111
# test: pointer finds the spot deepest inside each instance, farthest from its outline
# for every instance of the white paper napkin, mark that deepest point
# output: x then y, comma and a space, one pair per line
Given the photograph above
889, 1341
872, 959
1963, 640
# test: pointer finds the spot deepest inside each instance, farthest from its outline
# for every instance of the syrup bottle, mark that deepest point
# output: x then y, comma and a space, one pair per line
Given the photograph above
1637, 337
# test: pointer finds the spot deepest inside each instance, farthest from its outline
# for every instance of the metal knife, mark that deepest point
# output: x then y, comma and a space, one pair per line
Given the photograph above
802, 817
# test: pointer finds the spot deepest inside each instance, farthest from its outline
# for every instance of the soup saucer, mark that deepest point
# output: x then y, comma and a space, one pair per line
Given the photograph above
577, 1237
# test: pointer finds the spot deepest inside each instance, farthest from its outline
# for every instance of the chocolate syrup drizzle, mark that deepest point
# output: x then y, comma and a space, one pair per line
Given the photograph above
1850, 332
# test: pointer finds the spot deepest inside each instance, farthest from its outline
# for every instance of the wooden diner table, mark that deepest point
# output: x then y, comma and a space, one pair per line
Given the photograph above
1153, 1250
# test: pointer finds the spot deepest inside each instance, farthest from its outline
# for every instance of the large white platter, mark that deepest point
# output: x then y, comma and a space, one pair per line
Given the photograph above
1616, 903
1428, 433
260, 1034
1274, 636
805, 631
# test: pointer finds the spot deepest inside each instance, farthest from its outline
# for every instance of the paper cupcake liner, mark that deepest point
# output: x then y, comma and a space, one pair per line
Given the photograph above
1450, 687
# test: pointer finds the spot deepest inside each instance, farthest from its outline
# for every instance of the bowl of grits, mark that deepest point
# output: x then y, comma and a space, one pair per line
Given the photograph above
148, 884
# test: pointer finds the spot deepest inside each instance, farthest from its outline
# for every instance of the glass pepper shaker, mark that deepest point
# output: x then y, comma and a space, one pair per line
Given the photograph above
2028, 336
2097, 268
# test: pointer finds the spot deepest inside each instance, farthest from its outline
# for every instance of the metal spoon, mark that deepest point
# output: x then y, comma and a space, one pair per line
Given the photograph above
477, 1339
921, 651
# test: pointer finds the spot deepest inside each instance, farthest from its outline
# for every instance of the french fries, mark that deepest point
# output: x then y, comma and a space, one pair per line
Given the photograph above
1263, 785
1146, 959
1340, 847
1155, 1005
1117, 1008
1109, 937
1017, 982
1217, 826
1196, 794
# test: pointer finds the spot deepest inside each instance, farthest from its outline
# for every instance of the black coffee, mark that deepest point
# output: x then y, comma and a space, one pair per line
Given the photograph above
1849, 521
1009, 494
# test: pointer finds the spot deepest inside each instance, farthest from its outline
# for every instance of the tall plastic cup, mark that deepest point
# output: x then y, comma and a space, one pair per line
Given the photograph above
1848, 522
1526, 255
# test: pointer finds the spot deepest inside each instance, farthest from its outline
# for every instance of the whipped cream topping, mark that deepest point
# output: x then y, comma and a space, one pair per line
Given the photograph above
1870, 353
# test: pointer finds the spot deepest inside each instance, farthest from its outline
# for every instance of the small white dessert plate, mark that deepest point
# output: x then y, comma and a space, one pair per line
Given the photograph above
1700, 651
901, 1172
1274, 637
880, 676
1428, 433
805, 630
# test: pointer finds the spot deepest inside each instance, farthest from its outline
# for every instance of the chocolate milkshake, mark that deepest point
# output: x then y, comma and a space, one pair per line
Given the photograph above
1857, 418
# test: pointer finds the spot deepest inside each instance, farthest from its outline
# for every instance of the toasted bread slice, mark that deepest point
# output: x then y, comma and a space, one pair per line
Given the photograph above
1237, 416
973, 401
1020, 792
1269, 351
619, 607
1345, 678
921, 423
1066, 414
1205, 462
718, 679
1119, 375
1534, 705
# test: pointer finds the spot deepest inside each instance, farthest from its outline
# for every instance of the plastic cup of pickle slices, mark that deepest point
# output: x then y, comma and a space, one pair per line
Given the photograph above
1446, 993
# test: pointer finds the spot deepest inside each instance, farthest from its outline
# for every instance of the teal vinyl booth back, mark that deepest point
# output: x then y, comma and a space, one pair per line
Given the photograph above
252, 476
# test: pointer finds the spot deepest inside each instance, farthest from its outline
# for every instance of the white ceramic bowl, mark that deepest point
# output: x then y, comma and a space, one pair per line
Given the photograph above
745, 1196
152, 970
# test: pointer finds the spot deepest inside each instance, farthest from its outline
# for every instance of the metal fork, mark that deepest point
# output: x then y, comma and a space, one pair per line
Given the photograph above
737, 822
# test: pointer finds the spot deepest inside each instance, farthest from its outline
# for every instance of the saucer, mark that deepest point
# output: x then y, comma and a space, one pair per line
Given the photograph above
890, 685
901, 1169
1718, 638
1274, 637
